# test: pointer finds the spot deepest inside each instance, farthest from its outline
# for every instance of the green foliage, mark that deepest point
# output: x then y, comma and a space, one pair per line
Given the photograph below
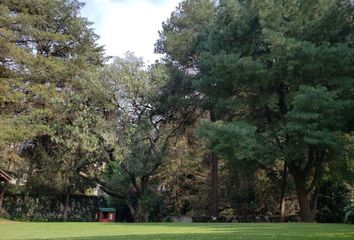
276, 78
44, 45
46, 50
315, 120
180, 33
182, 179
48, 207
333, 198
140, 131
231, 141
152, 203
284, 68
51, 98
349, 214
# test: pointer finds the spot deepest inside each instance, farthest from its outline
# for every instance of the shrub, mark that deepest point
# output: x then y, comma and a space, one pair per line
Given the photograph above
349, 213
333, 198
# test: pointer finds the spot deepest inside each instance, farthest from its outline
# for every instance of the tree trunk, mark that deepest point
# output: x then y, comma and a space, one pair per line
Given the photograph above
282, 193
2, 197
140, 215
306, 213
136, 210
305, 207
66, 207
214, 183
282, 209
315, 201
3, 190
131, 208
214, 191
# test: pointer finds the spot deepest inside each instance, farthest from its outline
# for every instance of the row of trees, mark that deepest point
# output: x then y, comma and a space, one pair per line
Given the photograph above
250, 109
277, 79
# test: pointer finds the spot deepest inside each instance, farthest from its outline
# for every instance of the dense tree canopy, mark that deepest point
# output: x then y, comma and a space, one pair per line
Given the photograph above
46, 51
249, 115
288, 71
44, 46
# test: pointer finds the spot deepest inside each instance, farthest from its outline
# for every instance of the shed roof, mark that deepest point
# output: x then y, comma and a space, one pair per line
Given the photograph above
107, 209
4, 176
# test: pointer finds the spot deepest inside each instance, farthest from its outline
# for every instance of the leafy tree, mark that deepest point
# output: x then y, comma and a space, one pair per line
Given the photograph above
267, 84
181, 178
139, 133
44, 45
179, 40
284, 67
74, 146
46, 50
180, 33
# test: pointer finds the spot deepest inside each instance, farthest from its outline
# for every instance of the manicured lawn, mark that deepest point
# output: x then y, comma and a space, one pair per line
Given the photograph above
156, 231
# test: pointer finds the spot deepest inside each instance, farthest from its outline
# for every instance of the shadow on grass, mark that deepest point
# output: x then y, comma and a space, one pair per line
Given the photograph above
254, 228
164, 231
206, 236
234, 232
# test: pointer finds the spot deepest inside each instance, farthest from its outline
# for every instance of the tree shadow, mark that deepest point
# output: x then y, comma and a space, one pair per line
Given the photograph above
231, 232
207, 236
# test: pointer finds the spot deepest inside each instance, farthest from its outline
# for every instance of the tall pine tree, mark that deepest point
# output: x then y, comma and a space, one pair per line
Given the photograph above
285, 67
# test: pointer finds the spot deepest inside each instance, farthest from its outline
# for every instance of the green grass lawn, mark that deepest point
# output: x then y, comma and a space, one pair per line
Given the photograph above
157, 231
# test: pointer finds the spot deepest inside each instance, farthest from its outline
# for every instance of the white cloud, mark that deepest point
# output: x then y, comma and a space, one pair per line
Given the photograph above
129, 25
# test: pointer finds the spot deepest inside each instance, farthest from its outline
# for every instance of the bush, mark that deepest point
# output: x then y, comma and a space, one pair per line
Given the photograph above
349, 214
4, 213
48, 208
333, 198
152, 205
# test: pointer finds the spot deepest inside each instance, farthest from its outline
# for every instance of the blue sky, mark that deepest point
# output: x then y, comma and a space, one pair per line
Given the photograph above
128, 25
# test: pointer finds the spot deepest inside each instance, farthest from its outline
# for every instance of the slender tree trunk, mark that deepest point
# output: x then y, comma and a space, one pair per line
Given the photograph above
66, 206
2, 197
214, 183
10, 165
214, 194
2, 191
315, 201
282, 209
282, 193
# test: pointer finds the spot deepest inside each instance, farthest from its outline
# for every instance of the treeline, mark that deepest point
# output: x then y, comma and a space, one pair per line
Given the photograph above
248, 116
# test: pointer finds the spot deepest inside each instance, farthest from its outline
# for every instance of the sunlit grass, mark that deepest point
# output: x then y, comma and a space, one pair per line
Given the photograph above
4, 220
156, 231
